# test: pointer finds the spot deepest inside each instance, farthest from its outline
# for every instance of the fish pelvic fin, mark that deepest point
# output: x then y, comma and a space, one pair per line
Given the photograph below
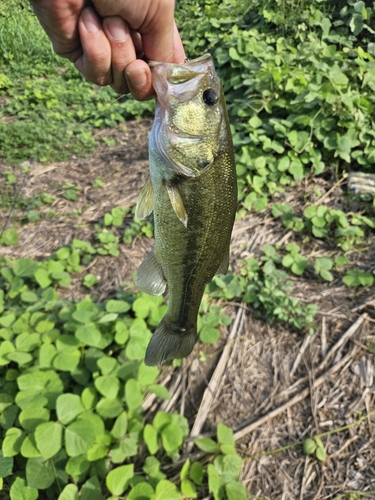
177, 203
150, 278
168, 342
145, 202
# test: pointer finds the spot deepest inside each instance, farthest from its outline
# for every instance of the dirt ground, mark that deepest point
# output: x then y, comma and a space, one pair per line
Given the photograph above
275, 387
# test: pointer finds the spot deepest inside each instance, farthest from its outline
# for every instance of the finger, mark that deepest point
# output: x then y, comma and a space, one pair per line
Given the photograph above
159, 25
122, 51
137, 42
153, 19
95, 62
138, 76
59, 21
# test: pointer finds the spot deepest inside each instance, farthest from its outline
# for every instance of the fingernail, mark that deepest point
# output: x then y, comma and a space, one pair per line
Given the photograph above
116, 28
89, 20
137, 78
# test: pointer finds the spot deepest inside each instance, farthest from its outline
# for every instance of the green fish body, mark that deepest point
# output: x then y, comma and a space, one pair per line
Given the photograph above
193, 193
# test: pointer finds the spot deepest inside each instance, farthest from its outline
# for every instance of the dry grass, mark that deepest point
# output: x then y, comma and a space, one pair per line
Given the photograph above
273, 386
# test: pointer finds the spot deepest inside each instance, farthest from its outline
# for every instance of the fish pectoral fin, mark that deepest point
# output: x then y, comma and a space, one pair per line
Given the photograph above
150, 278
145, 202
223, 268
178, 204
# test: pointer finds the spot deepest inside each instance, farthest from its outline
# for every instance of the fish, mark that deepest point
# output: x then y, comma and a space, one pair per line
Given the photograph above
192, 192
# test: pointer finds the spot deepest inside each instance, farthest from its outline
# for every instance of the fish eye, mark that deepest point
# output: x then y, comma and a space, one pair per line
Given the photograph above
210, 97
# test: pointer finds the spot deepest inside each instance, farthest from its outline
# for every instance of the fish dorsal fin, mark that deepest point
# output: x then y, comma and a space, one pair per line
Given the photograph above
145, 202
223, 268
177, 203
150, 278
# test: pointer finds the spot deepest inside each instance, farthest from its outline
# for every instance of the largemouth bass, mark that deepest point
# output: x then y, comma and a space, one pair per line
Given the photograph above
193, 193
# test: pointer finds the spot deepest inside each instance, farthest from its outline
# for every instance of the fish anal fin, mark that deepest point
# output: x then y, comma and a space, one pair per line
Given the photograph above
145, 202
223, 268
169, 342
177, 203
150, 278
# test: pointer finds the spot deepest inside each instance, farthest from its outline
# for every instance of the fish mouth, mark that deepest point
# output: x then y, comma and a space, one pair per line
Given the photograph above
188, 73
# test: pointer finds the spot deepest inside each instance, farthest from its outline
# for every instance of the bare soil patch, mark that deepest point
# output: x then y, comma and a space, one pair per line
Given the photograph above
275, 386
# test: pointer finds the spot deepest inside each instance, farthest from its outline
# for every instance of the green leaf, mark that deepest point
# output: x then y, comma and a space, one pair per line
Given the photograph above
19, 491
31, 417
150, 436
309, 446
160, 390
8, 416
89, 335
171, 437
232, 465
29, 297
209, 334
118, 479
39, 474
129, 445
89, 398
68, 407
196, 473
83, 316
185, 470
161, 420
79, 437
147, 374
107, 385
321, 454
21, 358
109, 408
215, 485
117, 306
166, 490
206, 444
122, 333
9, 238
70, 492
326, 275
133, 394
91, 489
6, 466
48, 437
225, 435
141, 491
235, 491
42, 278
24, 268
120, 426
29, 448
188, 489
46, 354
67, 361
6, 347
77, 466
107, 364
7, 319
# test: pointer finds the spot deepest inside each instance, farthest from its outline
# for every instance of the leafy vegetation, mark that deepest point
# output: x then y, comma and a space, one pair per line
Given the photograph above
73, 383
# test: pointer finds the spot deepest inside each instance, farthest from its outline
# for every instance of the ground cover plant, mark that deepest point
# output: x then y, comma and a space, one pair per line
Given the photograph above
299, 82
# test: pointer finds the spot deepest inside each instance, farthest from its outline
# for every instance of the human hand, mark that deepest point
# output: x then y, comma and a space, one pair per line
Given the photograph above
106, 44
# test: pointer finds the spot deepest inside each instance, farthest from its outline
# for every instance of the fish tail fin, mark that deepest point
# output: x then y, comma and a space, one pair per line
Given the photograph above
168, 342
